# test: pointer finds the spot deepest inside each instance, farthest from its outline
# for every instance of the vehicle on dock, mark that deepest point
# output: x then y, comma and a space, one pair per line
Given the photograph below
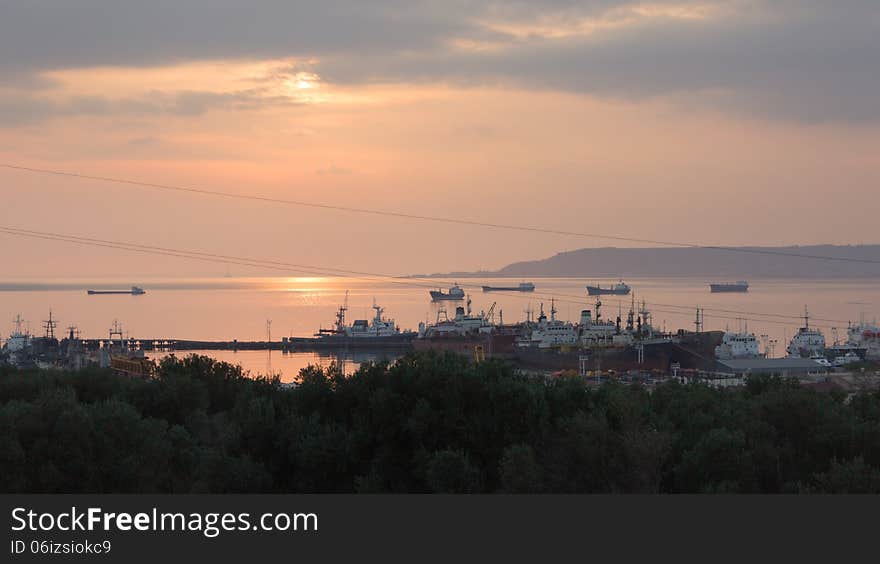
619, 289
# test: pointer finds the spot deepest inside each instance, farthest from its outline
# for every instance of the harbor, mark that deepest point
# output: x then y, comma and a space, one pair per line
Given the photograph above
591, 335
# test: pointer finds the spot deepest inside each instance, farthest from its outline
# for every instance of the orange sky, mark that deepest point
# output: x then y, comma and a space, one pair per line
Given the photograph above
446, 130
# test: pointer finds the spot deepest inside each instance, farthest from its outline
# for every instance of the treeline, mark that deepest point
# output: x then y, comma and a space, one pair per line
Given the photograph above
427, 423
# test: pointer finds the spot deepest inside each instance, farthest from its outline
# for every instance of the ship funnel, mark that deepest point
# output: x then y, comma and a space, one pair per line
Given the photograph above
586, 318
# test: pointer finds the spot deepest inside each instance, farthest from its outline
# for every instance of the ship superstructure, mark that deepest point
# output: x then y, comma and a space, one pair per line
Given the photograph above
378, 332
552, 332
736, 345
378, 326
19, 339
808, 342
595, 331
865, 336
464, 323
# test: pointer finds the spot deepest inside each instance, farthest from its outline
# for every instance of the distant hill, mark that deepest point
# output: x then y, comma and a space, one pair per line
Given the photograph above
742, 263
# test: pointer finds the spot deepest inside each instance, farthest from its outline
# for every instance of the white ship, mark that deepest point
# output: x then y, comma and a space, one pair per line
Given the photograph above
552, 332
807, 342
379, 327
465, 323
596, 332
19, 339
738, 345
865, 336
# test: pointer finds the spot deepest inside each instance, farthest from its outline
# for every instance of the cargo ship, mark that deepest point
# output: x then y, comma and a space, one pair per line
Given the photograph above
619, 289
739, 286
135, 291
455, 293
522, 287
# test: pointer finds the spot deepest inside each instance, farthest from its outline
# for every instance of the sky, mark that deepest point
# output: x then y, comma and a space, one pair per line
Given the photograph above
718, 122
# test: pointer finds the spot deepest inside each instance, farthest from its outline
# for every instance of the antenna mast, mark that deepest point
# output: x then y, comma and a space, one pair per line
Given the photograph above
49, 325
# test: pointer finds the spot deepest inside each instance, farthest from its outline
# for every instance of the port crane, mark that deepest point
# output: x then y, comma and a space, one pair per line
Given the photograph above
490, 315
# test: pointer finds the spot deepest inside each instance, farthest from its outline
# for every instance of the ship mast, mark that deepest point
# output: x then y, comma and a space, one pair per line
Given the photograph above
340, 315
49, 326
18, 321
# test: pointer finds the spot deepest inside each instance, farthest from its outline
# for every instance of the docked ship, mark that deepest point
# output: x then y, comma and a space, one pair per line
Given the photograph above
619, 289
19, 339
379, 332
627, 344
722, 287
469, 334
808, 342
737, 346
455, 293
549, 333
135, 291
522, 287
866, 337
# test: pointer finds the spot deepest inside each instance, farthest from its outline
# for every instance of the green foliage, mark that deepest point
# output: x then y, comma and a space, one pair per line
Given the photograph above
427, 423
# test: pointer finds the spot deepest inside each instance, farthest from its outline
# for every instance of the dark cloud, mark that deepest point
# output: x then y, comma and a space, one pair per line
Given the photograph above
805, 60
19, 108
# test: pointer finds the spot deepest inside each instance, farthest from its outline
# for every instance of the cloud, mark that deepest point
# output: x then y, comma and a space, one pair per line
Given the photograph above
334, 170
19, 108
803, 60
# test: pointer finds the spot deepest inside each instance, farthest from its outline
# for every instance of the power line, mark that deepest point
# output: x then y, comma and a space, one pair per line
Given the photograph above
324, 271
412, 216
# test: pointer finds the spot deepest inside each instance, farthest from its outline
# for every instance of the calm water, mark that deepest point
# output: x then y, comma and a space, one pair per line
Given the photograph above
238, 308
288, 365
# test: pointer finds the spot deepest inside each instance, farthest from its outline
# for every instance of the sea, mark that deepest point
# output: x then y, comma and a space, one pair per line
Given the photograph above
250, 309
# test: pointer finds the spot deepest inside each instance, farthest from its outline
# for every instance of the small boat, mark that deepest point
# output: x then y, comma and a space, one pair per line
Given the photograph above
619, 289
522, 287
455, 293
739, 286
135, 291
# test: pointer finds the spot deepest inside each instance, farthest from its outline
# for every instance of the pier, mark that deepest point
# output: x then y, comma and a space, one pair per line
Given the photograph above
286, 344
